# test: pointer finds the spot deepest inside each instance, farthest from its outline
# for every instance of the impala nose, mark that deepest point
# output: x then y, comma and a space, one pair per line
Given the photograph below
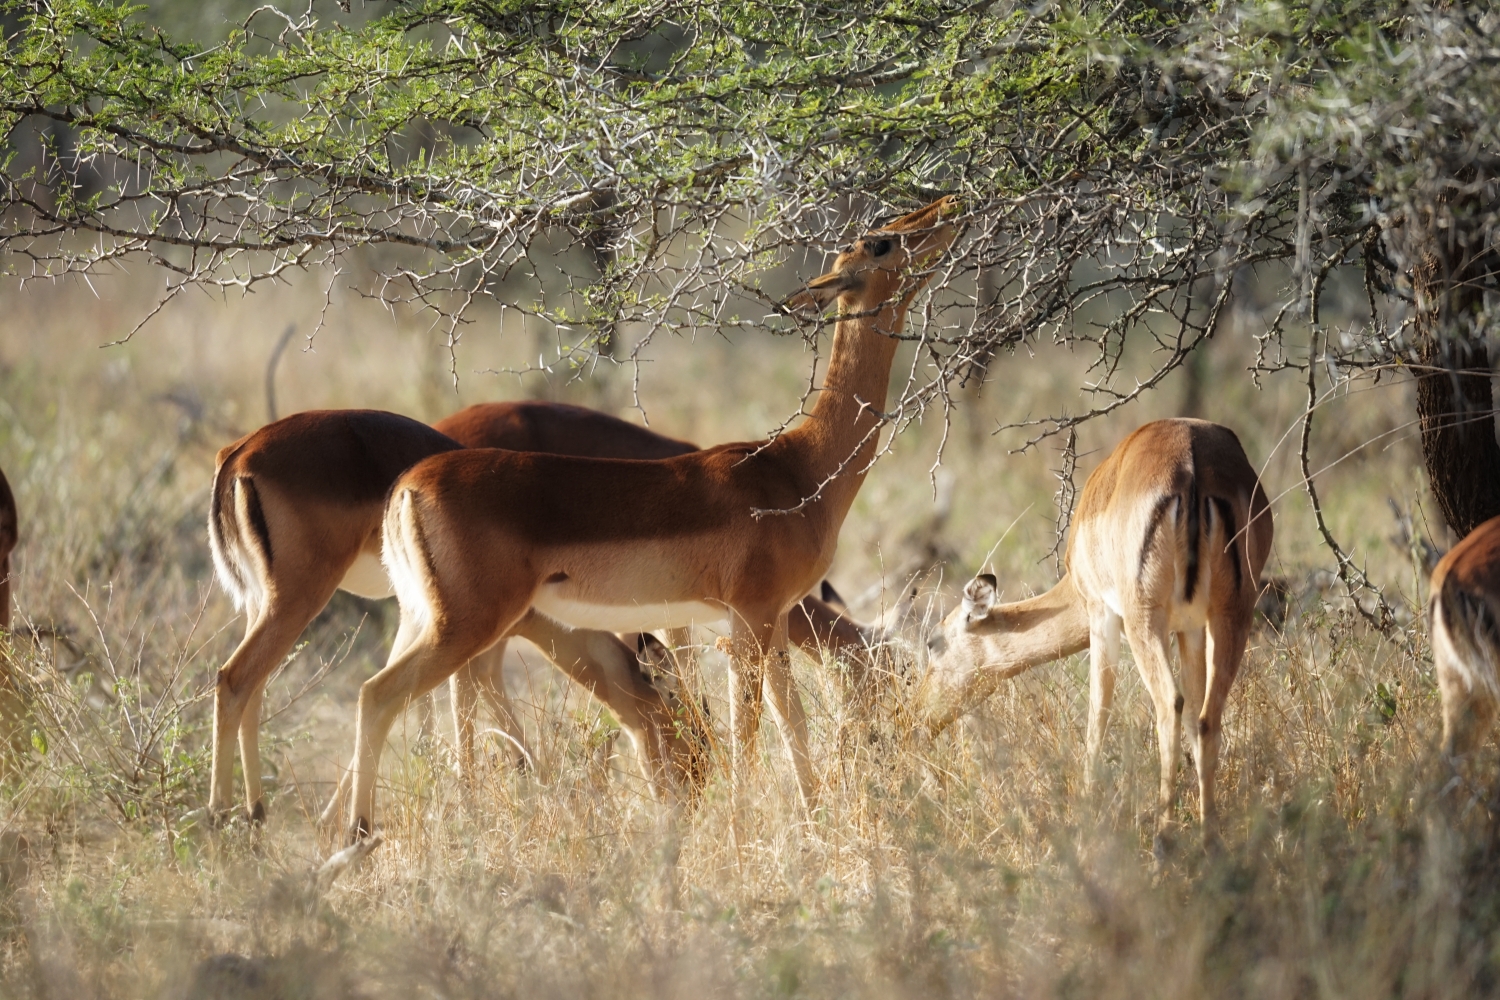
937, 643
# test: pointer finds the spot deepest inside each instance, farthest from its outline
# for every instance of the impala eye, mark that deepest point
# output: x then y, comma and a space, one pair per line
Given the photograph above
879, 248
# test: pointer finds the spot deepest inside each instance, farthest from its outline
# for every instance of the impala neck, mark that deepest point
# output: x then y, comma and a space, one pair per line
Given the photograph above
1035, 631
842, 430
1013, 639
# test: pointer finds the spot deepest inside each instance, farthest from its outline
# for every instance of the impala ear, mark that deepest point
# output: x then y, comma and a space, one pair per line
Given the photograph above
652, 653
817, 294
930, 229
979, 596
655, 660
832, 598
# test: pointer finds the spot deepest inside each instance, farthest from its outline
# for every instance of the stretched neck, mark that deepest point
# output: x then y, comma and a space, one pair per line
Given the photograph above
840, 435
1013, 639
1035, 631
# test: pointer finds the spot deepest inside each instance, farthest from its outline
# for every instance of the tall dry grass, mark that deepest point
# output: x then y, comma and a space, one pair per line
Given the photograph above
975, 866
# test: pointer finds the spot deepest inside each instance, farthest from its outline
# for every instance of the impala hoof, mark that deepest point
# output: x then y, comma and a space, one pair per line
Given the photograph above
218, 819
360, 831
1161, 848
257, 814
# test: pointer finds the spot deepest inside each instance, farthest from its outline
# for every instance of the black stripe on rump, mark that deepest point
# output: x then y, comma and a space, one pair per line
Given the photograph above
1157, 513
257, 517
1231, 542
1194, 530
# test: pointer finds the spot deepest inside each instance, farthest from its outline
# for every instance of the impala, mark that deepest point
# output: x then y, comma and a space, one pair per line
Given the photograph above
9, 533
474, 538
295, 515
1464, 612
636, 679
1169, 536
824, 622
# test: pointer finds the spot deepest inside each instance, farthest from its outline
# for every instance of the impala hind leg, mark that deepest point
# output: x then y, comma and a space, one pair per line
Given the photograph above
1469, 709
1226, 647
483, 677
419, 668
1148, 638
1192, 655
406, 634
272, 632
1104, 658
250, 755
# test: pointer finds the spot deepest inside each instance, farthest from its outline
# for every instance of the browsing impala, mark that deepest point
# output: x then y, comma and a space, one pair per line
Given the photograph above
475, 538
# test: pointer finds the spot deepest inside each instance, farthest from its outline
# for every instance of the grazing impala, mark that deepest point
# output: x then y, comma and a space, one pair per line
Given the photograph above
1169, 536
636, 679
9, 532
1464, 615
824, 622
295, 515
474, 538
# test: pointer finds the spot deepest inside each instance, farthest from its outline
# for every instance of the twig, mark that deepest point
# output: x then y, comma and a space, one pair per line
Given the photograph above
1353, 577
1067, 493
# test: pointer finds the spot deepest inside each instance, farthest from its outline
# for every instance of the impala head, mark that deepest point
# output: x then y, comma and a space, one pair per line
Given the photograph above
959, 638
879, 267
958, 648
687, 739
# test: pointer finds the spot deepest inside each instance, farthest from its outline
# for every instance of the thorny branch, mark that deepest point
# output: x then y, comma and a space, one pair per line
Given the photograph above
1067, 493
1354, 579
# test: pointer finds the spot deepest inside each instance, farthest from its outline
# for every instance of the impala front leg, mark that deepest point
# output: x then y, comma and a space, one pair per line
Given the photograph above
787, 704
746, 660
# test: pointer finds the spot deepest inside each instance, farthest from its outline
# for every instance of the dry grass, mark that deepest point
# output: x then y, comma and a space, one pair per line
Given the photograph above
977, 868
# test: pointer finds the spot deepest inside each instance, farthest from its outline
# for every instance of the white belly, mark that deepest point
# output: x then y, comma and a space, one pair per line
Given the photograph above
627, 617
366, 578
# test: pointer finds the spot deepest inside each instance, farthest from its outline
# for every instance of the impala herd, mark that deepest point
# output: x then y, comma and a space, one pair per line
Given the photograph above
568, 527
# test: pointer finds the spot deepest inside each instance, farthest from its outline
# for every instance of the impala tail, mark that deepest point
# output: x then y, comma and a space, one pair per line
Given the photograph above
407, 560
238, 534
1205, 526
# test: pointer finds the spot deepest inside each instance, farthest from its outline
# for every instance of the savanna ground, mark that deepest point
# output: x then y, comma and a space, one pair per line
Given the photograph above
975, 866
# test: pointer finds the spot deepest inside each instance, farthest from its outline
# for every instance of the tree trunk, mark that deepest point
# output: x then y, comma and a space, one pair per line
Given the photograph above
1455, 403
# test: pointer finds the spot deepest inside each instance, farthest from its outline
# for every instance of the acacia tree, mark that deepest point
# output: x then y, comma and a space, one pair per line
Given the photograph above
1127, 158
